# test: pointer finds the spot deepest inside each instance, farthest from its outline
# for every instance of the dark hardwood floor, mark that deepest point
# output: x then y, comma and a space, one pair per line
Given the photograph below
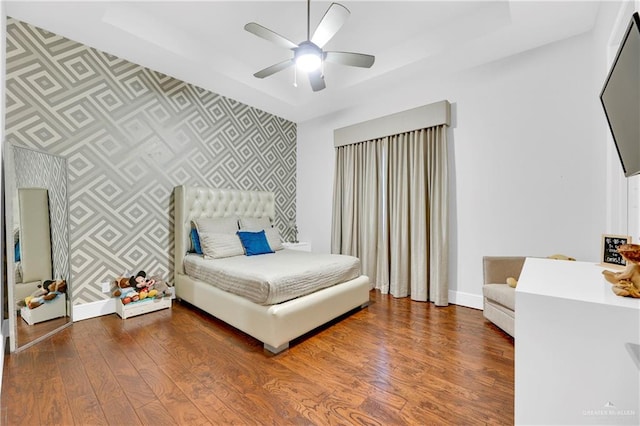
28, 333
395, 362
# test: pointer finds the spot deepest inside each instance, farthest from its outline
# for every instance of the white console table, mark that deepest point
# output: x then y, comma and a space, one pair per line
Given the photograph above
577, 350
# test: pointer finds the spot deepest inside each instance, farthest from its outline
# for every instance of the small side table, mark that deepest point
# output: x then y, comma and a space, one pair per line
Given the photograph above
301, 246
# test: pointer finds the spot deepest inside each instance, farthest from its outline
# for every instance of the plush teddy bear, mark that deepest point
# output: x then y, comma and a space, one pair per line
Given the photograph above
626, 283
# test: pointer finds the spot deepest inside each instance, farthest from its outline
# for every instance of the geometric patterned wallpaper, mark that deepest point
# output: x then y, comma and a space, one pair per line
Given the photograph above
130, 135
35, 169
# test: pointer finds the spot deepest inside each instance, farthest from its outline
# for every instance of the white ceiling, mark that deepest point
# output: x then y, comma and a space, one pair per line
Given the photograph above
204, 43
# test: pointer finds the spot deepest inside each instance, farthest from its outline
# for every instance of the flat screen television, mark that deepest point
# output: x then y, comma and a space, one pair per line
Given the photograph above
620, 99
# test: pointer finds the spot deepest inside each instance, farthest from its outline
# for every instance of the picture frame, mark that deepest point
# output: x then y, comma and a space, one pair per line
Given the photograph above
609, 249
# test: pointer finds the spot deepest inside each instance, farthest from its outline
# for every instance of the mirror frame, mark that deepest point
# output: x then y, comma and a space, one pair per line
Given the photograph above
10, 193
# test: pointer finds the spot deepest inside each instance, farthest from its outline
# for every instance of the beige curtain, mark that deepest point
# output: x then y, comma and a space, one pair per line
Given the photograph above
355, 228
390, 210
438, 192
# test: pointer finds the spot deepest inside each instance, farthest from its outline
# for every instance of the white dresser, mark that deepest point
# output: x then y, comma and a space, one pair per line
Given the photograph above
577, 347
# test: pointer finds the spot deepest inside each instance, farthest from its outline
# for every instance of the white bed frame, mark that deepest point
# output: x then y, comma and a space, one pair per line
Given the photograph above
274, 325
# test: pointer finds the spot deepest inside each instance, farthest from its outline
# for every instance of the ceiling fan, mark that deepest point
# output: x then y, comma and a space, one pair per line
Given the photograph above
308, 55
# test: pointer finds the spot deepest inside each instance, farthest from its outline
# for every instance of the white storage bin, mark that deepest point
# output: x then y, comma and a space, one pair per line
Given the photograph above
141, 307
55, 308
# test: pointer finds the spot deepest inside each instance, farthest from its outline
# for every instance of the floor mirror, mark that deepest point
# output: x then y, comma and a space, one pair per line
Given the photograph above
38, 268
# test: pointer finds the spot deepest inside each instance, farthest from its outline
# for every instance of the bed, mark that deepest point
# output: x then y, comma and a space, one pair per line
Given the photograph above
275, 325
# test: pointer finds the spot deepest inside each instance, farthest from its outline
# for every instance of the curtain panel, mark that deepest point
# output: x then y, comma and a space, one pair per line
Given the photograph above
390, 210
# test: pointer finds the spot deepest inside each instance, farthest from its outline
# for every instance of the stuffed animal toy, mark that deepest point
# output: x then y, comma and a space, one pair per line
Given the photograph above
147, 287
59, 286
161, 288
626, 283
124, 291
46, 291
140, 287
153, 287
36, 297
117, 285
141, 284
34, 302
138, 282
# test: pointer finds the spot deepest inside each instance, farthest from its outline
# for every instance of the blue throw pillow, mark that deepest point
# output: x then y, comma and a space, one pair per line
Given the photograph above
195, 241
16, 251
254, 242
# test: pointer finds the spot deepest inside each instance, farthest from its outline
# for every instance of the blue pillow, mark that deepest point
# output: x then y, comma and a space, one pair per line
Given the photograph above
254, 242
16, 251
195, 241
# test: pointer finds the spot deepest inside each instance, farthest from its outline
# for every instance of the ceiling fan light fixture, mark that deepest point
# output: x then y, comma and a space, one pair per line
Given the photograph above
308, 57
308, 62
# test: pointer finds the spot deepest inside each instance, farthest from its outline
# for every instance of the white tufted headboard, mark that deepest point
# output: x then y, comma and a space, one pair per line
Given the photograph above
192, 202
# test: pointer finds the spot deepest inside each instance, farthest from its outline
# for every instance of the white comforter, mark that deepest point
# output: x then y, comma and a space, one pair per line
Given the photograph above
274, 278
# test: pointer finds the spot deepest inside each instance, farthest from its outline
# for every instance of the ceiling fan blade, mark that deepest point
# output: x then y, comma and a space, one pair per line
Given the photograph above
317, 80
331, 22
267, 34
274, 69
352, 59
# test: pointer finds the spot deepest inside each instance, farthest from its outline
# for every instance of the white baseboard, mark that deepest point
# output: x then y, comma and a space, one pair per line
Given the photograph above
465, 299
93, 309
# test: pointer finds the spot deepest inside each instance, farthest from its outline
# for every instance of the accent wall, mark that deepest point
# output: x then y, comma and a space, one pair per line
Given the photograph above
130, 134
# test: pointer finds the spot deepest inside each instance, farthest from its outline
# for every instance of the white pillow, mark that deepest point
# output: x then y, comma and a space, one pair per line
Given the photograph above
255, 224
273, 238
217, 225
217, 246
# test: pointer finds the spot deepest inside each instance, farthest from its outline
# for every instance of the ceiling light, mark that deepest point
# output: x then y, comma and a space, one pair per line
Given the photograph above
308, 57
308, 62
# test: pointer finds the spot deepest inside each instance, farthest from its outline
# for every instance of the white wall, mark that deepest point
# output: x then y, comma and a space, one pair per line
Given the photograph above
528, 153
